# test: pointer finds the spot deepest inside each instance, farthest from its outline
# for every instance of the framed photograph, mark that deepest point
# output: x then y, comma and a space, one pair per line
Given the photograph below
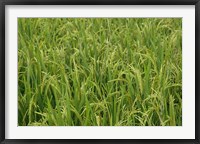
99, 71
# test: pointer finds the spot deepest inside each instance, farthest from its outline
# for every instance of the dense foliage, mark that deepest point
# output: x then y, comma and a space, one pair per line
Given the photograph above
100, 71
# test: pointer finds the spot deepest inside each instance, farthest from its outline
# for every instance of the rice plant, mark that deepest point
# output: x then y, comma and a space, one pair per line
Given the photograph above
99, 71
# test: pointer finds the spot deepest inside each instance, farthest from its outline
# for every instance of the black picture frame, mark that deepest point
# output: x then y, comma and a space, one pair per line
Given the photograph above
3, 4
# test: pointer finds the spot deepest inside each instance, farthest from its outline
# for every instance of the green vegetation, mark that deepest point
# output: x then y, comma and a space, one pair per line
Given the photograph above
100, 71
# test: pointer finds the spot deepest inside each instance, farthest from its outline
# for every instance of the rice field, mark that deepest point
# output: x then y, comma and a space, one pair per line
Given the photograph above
99, 71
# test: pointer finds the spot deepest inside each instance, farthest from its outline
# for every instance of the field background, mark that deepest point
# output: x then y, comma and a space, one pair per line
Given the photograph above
100, 71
